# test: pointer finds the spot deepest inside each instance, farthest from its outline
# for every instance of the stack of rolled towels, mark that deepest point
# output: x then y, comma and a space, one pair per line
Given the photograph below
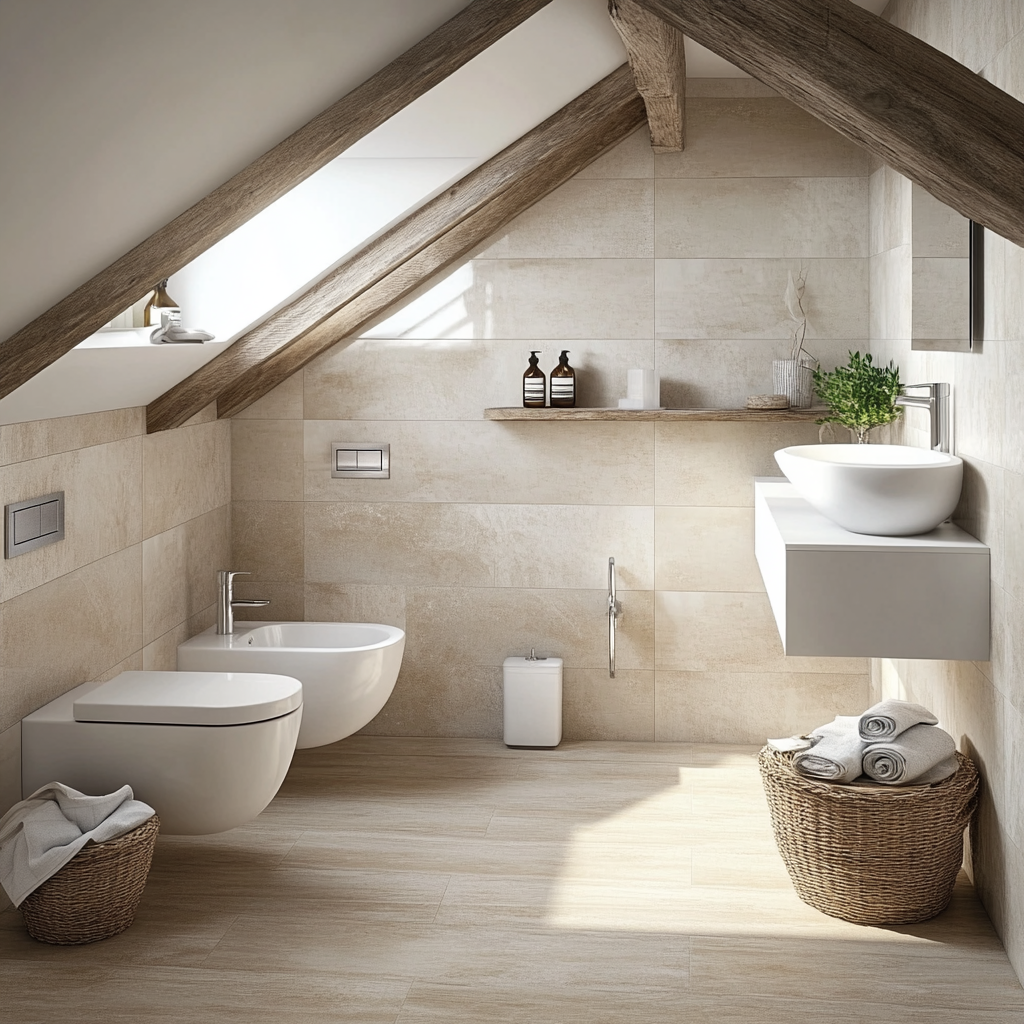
895, 742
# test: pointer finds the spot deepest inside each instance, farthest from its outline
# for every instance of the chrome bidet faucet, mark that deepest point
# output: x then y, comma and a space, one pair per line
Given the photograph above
226, 602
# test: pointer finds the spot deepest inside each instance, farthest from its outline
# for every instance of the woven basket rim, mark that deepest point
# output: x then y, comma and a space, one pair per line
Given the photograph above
781, 764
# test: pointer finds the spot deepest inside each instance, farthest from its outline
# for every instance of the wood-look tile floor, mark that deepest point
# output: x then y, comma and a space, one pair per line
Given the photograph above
414, 880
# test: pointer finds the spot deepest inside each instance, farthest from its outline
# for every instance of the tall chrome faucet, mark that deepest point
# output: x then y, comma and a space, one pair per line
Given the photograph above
937, 404
226, 602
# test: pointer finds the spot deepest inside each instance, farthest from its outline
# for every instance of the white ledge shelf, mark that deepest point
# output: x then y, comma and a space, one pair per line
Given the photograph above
660, 415
841, 594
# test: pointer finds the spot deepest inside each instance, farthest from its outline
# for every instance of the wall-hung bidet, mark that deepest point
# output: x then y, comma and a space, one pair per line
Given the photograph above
207, 750
347, 669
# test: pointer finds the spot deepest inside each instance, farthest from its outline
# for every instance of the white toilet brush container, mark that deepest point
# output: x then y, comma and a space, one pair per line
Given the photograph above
533, 702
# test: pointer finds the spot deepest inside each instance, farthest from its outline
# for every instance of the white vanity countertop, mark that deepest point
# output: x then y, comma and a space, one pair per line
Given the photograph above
802, 528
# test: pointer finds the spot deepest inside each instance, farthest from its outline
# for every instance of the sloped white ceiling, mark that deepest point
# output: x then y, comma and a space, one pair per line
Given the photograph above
116, 115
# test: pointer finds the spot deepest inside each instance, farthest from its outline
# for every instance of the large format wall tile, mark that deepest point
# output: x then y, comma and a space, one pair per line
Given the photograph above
483, 626
102, 487
338, 602
584, 219
531, 299
576, 463
20, 442
758, 137
705, 549
622, 708
761, 218
738, 299
729, 632
69, 631
979, 32
891, 291
266, 460
456, 380
267, 539
715, 463
185, 473
460, 699
631, 158
890, 210
179, 570
717, 374
749, 707
161, 654
406, 544
398, 544
283, 403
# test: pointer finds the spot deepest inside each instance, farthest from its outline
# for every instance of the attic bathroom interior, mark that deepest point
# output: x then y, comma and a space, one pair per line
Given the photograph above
365, 218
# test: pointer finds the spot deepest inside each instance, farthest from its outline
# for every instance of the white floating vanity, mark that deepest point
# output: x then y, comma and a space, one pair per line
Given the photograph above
841, 594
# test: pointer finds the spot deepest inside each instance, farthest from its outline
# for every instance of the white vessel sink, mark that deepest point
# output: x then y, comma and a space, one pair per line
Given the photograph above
347, 669
885, 490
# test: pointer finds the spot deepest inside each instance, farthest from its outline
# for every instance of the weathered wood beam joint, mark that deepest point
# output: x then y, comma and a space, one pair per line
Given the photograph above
330, 133
658, 60
920, 111
428, 240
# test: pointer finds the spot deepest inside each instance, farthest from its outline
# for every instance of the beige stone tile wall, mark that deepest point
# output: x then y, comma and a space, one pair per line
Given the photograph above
147, 523
981, 703
491, 538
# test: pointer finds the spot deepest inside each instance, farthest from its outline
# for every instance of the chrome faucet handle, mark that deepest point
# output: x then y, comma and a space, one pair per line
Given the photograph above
226, 600
937, 403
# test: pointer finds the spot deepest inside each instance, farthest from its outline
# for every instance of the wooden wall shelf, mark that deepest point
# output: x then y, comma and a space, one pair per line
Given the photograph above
660, 415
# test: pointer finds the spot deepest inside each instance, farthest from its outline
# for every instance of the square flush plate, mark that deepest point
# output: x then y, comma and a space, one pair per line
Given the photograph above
33, 524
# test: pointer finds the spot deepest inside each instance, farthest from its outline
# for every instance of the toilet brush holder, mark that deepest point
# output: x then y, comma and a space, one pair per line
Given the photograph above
532, 702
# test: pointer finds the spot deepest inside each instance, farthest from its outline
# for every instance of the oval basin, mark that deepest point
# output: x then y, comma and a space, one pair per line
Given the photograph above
884, 490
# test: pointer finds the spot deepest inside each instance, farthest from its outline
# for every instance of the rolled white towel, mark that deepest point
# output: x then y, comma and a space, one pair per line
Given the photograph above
910, 757
889, 718
837, 754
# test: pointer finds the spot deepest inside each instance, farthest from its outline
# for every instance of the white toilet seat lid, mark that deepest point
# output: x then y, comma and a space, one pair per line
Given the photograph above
190, 698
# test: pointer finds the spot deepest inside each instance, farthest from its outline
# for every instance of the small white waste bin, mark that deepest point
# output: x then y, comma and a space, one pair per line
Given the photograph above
533, 702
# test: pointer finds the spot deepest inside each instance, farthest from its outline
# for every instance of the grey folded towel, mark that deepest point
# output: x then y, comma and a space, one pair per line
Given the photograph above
889, 718
909, 757
837, 754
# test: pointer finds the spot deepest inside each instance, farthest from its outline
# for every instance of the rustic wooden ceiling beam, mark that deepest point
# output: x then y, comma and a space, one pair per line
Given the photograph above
920, 111
330, 133
427, 241
658, 60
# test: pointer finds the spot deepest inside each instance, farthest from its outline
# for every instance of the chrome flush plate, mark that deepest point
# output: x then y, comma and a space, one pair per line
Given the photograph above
360, 461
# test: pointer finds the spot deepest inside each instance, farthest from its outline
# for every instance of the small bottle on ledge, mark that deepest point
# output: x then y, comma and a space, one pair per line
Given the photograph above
534, 384
161, 304
563, 384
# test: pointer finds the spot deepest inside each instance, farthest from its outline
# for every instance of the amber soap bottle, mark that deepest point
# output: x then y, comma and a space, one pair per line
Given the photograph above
563, 384
534, 384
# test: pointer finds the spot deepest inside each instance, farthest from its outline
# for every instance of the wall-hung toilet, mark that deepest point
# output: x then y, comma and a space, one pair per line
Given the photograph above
208, 750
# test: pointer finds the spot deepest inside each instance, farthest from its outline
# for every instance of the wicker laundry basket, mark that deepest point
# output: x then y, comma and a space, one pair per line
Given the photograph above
95, 895
870, 854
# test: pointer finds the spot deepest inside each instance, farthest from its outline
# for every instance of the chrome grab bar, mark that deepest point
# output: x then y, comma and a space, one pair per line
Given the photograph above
614, 614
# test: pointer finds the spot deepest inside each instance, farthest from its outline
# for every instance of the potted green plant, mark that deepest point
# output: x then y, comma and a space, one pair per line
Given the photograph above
859, 395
